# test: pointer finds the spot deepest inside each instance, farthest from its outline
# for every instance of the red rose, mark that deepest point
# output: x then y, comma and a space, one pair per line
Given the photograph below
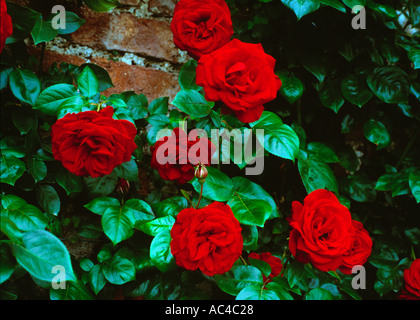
359, 251
175, 159
200, 27
6, 27
208, 239
274, 262
241, 75
322, 230
412, 278
92, 143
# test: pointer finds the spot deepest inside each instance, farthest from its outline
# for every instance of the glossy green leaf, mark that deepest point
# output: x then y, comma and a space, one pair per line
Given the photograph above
160, 251
376, 132
355, 90
25, 85
278, 138
119, 270
217, 185
39, 252
52, 97
302, 7
390, 84
193, 103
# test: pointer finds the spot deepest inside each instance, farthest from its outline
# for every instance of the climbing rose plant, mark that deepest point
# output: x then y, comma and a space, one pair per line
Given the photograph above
135, 199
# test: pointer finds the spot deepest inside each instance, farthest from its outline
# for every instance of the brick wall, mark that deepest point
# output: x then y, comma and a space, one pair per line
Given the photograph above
132, 42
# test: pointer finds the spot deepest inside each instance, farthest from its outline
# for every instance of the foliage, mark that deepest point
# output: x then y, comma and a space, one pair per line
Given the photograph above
346, 119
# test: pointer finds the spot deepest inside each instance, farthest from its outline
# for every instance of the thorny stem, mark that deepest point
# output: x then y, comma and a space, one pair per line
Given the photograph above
243, 260
201, 195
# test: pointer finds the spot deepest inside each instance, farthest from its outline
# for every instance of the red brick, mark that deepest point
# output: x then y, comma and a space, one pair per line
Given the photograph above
162, 7
124, 32
151, 82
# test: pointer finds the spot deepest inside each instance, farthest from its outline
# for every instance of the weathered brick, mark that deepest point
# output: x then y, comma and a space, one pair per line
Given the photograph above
124, 32
162, 7
130, 2
151, 82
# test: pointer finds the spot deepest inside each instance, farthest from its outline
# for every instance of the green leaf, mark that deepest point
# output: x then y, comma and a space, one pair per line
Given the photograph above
261, 265
316, 174
160, 251
69, 181
193, 103
335, 4
355, 90
48, 198
52, 97
217, 185
252, 212
360, 188
39, 252
377, 133
24, 120
253, 293
352, 3
291, 88
390, 84
319, 294
7, 265
73, 22
100, 205
74, 290
414, 55
322, 152
88, 83
187, 76
23, 20
119, 270
37, 168
278, 139
128, 170
330, 95
117, 224
11, 169
25, 85
101, 5
247, 189
101, 186
302, 7
104, 80
12, 147
139, 210
96, 278
414, 182
397, 183
25, 216
238, 278
43, 31
159, 106
171, 206
155, 226
294, 273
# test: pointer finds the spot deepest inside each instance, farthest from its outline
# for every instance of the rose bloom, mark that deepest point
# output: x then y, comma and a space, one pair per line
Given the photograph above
412, 280
241, 75
274, 262
322, 230
359, 251
200, 27
6, 27
175, 157
208, 239
92, 143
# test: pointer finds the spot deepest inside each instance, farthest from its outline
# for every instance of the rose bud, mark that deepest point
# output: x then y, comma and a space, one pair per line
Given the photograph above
123, 186
201, 173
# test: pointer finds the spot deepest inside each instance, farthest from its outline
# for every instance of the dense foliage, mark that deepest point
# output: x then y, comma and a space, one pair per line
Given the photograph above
343, 128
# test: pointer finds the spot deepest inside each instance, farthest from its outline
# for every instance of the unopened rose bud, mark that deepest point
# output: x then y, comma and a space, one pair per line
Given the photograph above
123, 186
201, 173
